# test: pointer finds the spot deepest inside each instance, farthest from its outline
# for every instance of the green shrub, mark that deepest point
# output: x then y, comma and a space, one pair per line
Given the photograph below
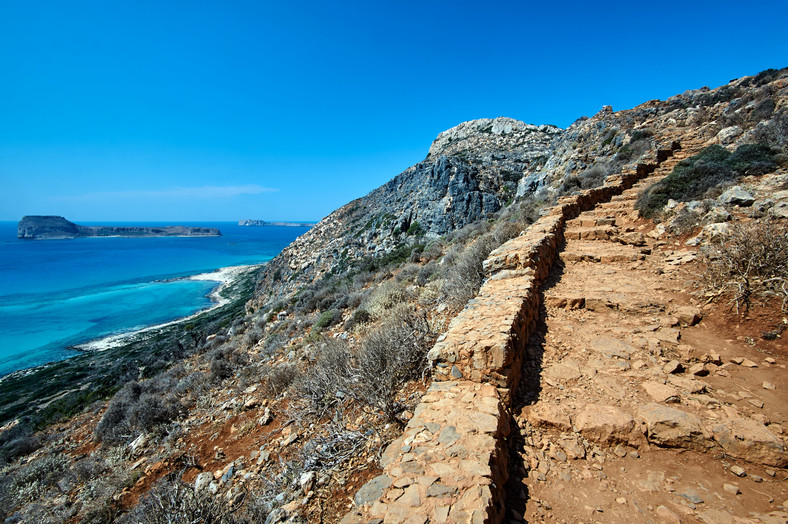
415, 229
638, 144
693, 177
361, 317
640, 134
609, 136
326, 319
753, 159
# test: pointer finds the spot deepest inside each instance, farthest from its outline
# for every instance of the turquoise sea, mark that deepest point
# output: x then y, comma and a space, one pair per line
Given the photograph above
58, 293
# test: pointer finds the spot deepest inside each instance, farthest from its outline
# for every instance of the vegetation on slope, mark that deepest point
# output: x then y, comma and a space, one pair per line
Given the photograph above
712, 168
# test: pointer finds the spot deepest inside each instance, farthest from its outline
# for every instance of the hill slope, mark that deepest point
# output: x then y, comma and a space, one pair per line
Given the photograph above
284, 414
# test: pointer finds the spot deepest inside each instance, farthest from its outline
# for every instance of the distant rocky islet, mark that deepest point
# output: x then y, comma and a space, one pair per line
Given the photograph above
51, 227
252, 222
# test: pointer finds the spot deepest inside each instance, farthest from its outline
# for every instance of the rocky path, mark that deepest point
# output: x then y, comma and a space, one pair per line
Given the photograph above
632, 406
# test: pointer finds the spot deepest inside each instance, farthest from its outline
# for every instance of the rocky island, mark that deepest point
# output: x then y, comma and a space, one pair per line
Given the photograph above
49, 227
250, 222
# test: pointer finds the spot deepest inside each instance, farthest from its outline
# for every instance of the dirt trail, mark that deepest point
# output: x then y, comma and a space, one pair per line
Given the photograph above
632, 405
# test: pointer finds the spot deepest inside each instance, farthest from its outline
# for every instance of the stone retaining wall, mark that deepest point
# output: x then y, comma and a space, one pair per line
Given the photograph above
450, 465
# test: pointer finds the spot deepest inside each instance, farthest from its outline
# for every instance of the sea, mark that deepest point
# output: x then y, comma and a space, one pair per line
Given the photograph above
56, 294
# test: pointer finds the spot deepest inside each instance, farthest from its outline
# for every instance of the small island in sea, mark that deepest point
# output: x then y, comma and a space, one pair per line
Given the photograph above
249, 222
50, 227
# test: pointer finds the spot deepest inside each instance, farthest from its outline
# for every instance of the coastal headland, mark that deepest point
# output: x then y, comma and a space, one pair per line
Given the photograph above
51, 227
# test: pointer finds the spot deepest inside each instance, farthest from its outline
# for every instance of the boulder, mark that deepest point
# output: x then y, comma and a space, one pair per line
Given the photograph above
202, 481
661, 392
780, 210
717, 516
736, 196
604, 424
549, 415
729, 135
611, 347
689, 315
674, 366
716, 215
750, 440
267, 417
674, 428
667, 516
307, 481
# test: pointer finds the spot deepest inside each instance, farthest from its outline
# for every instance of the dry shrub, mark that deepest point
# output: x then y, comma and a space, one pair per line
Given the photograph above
135, 409
323, 383
389, 356
18, 441
279, 378
384, 297
330, 450
465, 273
252, 337
173, 502
749, 264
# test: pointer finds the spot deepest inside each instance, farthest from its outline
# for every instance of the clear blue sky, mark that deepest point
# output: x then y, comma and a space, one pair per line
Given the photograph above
196, 110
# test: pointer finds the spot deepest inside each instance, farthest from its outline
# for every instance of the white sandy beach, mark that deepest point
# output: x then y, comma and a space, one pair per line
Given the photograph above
224, 276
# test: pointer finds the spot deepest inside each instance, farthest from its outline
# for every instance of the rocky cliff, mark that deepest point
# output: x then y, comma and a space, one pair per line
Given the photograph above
42, 227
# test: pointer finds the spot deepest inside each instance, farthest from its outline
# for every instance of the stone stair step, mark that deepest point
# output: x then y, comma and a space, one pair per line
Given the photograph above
624, 197
614, 206
595, 252
592, 221
599, 303
591, 233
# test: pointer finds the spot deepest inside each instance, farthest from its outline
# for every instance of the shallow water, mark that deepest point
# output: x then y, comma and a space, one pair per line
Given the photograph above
58, 293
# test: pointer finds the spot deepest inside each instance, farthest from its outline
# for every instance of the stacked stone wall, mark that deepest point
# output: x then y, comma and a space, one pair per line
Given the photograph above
450, 464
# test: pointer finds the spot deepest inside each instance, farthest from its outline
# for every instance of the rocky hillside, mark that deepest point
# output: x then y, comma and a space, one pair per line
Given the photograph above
591, 377
477, 168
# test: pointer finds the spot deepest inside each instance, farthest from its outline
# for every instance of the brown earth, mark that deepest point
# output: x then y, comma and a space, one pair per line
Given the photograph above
608, 429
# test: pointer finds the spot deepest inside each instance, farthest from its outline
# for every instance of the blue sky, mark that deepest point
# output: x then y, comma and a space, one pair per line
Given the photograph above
196, 110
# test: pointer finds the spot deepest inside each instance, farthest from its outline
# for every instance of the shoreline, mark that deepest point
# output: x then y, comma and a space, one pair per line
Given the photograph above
101, 366
225, 277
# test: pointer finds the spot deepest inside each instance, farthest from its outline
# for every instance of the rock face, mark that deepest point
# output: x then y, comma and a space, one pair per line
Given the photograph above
471, 172
491, 133
38, 227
